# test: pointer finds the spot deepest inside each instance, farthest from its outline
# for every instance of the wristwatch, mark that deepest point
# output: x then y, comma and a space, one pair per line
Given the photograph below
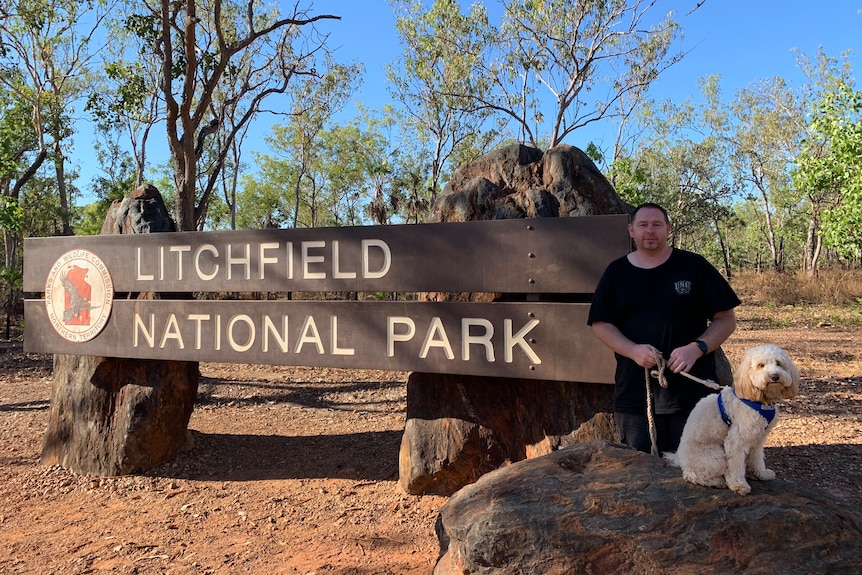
702, 345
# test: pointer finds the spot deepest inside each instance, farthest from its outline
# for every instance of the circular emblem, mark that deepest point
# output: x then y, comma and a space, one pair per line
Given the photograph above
78, 295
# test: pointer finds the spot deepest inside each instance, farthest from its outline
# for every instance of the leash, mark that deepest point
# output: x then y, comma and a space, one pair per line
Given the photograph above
658, 373
662, 381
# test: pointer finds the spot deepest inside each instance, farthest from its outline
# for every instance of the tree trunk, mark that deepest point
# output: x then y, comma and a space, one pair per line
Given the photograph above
813, 244
725, 252
60, 170
757, 179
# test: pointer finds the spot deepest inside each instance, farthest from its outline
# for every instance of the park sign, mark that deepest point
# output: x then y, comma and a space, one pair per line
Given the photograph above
548, 267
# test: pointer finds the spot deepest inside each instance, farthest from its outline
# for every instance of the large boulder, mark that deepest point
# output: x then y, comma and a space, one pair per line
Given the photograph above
143, 211
461, 427
112, 416
491, 422
521, 182
603, 508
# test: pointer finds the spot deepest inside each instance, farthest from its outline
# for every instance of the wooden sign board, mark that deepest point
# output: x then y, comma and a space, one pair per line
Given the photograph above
84, 312
529, 340
536, 255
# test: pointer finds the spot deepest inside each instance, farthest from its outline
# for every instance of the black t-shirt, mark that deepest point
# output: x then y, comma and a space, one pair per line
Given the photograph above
667, 306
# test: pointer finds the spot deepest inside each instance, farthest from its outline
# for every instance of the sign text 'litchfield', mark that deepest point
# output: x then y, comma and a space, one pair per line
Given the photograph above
317, 260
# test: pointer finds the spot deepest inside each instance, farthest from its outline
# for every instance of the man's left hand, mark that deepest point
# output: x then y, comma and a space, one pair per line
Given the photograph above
683, 358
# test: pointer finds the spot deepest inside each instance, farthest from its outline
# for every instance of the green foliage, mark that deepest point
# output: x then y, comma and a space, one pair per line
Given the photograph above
90, 218
687, 177
320, 184
443, 48
629, 179
11, 278
11, 282
11, 214
115, 182
830, 163
17, 136
266, 201
127, 98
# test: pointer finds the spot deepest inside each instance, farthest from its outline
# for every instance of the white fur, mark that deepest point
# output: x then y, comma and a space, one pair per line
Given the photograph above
713, 454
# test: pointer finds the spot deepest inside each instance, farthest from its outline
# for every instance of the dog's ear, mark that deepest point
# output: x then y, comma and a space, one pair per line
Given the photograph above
795, 377
742, 377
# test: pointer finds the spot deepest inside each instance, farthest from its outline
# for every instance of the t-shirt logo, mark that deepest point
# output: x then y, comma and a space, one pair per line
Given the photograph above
682, 287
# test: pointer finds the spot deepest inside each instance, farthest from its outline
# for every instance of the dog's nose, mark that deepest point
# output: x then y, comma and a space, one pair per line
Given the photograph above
774, 377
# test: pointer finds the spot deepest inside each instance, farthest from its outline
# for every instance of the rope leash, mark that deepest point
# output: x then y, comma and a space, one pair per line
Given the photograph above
658, 373
663, 380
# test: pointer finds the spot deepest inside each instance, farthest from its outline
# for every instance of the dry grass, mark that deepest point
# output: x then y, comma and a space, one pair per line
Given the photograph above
793, 300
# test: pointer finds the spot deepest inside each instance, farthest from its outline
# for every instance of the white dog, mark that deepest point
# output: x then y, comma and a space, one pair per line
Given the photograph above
724, 435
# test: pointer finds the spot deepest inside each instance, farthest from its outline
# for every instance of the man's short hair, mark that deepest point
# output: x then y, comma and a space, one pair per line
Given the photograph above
654, 206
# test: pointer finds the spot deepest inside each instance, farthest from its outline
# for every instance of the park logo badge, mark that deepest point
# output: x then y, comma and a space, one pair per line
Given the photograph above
79, 294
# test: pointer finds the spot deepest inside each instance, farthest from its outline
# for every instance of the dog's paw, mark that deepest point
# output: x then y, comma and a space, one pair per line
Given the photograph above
765, 475
742, 488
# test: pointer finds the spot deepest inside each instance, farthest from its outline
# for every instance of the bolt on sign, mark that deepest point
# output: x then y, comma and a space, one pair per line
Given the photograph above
550, 266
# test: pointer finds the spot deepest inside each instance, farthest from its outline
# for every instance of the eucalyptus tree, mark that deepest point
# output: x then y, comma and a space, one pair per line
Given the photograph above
441, 49
690, 179
211, 55
830, 164
767, 125
18, 144
46, 48
348, 153
383, 152
820, 168
553, 67
261, 200
117, 178
762, 125
320, 183
315, 101
555, 55
409, 186
125, 102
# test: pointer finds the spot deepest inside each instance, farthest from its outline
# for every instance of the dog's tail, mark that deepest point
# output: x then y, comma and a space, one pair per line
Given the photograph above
672, 459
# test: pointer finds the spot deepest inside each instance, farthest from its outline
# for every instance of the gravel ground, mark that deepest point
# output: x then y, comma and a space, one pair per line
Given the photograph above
294, 470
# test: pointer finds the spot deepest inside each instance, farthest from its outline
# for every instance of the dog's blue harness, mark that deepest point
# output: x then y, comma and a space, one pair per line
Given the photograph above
766, 411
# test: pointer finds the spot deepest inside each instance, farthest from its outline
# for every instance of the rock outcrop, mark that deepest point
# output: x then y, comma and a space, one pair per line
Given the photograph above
461, 427
521, 182
141, 212
112, 416
491, 422
600, 507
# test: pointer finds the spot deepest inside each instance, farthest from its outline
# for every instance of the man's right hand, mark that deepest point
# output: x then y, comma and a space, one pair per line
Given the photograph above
645, 355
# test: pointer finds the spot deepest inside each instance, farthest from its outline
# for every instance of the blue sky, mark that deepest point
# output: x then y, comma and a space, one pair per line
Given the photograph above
743, 41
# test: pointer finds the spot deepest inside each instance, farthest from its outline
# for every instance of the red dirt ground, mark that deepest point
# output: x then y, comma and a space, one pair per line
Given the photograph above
294, 470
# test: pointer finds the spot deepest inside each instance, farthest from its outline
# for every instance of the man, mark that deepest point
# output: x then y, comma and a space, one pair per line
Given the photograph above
660, 302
